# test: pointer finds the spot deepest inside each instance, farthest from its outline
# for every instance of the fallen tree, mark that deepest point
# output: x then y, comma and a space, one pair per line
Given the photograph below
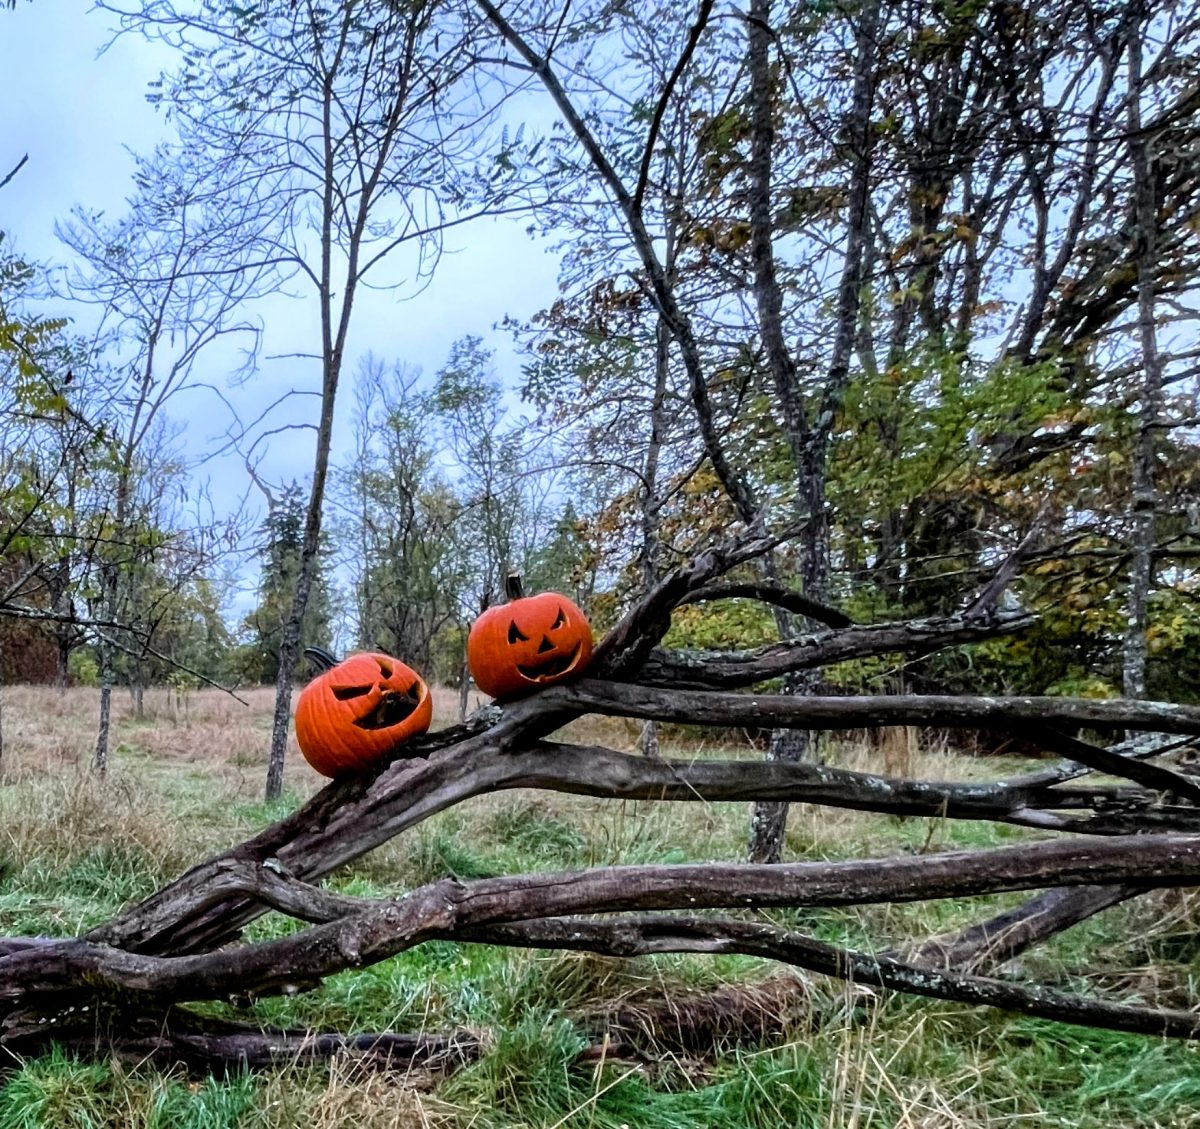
125, 986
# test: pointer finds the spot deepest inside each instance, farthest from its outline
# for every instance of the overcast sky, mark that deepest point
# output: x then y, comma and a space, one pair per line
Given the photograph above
75, 111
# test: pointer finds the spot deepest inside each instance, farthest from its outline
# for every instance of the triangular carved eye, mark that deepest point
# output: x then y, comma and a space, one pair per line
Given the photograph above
385, 668
514, 633
560, 620
345, 693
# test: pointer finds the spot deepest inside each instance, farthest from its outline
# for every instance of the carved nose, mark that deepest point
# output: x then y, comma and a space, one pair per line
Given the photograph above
545, 645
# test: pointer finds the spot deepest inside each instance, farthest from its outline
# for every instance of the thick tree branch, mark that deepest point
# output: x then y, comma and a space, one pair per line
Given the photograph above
990, 943
955, 711
1140, 747
206, 1047
703, 12
1009, 569
736, 484
1116, 764
54, 971
727, 670
355, 815
638, 936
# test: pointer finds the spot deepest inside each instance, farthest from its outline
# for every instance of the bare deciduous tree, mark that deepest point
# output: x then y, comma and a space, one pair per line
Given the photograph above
163, 303
337, 135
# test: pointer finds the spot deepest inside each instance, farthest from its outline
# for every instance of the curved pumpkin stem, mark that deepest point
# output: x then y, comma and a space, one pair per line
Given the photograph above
512, 586
322, 659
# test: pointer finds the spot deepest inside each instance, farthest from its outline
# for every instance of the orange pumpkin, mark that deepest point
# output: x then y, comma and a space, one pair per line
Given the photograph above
531, 641
356, 712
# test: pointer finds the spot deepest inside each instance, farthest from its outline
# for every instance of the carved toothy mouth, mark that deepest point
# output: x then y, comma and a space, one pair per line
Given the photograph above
552, 667
392, 708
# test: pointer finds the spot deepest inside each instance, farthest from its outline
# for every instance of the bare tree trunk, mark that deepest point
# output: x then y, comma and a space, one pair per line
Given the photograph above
1, 711
648, 739
464, 688
289, 647
334, 332
768, 823
65, 634
64, 630
138, 689
333, 342
283, 705
104, 645
1143, 496
100, 756
62, 666
808, 441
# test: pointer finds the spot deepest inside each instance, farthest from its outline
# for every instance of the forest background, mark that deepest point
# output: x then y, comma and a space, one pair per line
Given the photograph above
918, 277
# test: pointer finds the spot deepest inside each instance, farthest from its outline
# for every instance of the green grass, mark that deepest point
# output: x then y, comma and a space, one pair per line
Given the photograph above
72, 855
62, 1092
904, 1066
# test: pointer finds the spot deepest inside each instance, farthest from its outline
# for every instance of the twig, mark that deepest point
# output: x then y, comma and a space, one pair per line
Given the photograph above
771, 594
19, 165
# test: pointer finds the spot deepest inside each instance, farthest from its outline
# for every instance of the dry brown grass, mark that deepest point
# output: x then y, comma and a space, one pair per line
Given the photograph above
48, 730
351, 1097
179, 773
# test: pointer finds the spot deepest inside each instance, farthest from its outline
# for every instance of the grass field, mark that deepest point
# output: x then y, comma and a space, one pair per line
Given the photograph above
186, 781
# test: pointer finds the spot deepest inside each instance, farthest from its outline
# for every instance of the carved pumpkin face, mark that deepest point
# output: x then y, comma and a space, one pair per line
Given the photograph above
353, 715
529, 642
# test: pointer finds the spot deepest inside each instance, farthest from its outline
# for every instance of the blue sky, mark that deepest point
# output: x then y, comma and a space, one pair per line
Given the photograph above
75, 112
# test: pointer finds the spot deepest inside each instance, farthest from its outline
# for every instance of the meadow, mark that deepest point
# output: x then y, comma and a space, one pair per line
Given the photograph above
571, 1041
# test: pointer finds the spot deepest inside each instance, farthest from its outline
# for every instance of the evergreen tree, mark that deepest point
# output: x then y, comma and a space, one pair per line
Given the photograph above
283, 539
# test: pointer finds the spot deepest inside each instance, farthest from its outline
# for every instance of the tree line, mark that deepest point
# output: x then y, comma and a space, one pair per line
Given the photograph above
917, 279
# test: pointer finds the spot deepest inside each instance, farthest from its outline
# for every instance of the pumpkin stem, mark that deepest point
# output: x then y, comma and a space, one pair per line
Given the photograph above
320, 658
512, 586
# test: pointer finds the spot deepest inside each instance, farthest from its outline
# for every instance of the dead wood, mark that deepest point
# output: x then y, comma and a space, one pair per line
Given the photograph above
988, 944
207, 1046
182, 943
672, 934
358, 932
704, 1023
728, 670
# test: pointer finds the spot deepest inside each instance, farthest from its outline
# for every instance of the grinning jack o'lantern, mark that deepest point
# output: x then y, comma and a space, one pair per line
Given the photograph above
356, 712
531, 641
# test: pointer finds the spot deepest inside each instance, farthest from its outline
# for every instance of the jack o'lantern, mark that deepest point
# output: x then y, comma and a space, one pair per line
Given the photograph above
356, 712
531, 641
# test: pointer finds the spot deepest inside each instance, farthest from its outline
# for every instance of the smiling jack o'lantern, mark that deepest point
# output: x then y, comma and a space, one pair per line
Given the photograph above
358, 711
530, 642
